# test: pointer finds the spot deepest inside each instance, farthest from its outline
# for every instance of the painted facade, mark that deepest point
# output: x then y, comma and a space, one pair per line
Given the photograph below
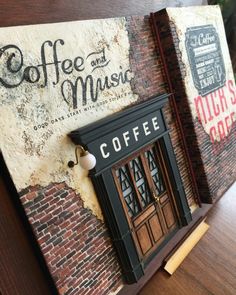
209, 80
55, 78
52, 85
205, 92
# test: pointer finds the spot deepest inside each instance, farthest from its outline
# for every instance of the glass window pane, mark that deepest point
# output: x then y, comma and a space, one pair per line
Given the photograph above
127, 190
140, 181
155, 171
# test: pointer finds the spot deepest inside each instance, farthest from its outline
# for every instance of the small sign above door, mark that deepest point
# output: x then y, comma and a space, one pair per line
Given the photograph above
115, 137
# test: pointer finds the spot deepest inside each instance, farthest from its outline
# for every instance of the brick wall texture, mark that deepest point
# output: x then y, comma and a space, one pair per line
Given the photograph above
150, 81
75, 244
214, 164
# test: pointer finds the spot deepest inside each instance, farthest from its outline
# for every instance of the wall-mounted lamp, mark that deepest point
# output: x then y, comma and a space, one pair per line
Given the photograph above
87, 160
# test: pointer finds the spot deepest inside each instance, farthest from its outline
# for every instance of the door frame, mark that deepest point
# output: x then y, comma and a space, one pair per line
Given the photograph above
92, 137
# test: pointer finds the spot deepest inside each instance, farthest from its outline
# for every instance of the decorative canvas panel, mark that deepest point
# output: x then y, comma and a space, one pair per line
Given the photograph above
55, 78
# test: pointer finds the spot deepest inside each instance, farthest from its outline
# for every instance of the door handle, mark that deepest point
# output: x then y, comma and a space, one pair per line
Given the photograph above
155, 197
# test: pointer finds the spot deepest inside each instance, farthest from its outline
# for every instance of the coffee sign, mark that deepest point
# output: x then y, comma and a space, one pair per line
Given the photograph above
55, 78
54, 70
116, 137
205, 58
206, 69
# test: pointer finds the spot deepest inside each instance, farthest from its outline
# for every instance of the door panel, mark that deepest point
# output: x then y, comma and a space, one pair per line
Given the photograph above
168, 215
144, 238
146, 195
155, 226
163, 199
144, 215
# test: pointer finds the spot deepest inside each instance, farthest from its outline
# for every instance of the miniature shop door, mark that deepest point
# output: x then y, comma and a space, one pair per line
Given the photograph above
145, 191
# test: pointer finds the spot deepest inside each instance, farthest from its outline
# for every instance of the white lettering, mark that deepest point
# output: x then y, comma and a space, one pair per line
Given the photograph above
104, 155
146, 129
124, 140
155, 123
126, 137
136, 133
116, 144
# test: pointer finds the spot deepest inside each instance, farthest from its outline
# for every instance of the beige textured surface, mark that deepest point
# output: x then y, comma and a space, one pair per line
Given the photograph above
37, 155
186, 17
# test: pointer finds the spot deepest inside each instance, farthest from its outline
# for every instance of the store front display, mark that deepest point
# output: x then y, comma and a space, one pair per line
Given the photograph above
118, 135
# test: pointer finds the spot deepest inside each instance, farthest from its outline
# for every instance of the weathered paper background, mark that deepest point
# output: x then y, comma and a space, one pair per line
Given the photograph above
35, 120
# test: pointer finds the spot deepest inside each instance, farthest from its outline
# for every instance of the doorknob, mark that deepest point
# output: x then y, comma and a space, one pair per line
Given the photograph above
157, 199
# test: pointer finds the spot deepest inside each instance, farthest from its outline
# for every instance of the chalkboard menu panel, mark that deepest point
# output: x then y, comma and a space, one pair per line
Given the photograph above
205, 58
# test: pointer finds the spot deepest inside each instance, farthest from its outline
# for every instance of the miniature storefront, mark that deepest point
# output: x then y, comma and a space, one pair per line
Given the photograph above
153, 99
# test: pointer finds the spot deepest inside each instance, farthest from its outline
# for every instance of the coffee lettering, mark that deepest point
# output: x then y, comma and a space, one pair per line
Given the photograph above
136, 133
80, 90
31, 74
146, 129
14, 65
78, 64
67, 66
155, 123
126, 137
104, 154
116, 144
